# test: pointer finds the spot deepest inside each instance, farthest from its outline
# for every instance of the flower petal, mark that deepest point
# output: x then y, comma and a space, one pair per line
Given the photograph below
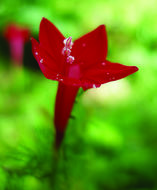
107, 72
13, 31
51, 38
91, 47
46, 63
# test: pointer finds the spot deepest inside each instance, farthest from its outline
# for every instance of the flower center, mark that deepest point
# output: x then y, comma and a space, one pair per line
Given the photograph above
67, 50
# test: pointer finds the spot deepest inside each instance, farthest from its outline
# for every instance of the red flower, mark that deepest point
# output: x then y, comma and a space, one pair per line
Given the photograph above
79, 64
16, 37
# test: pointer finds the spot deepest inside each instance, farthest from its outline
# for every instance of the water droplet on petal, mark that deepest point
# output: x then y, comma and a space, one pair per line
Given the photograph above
57, 75
61, 79
103, 63
36, 53
41, 60
94, 86
107, 73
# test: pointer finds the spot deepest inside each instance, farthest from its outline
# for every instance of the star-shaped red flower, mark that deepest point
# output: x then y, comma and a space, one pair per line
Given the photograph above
90, 67
79, 64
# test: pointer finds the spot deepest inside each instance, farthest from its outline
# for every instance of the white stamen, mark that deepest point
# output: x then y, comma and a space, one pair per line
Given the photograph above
64, 41
70, 59
66, 51
68, 42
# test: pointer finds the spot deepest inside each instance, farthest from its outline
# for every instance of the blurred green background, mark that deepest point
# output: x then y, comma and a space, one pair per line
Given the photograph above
111, 142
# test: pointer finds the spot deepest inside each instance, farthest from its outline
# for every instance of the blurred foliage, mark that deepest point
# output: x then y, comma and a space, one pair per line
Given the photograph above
111, 140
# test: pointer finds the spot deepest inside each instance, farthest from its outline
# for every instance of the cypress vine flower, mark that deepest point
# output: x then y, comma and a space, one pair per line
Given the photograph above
16, 36
81, 63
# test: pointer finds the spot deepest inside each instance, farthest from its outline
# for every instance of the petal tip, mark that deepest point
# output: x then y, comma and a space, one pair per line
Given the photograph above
135, 69
102, 26
43, 19
43, 22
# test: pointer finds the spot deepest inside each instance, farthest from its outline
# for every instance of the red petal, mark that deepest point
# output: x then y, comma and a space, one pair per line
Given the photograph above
26, 34
14, 31
51, 38
91, 48
46, 63
107, 71
51, 70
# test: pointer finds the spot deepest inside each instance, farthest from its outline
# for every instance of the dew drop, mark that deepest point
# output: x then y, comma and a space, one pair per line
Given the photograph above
94, 86
61, 79
103, 63
107, 73
36, 53
41, 60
